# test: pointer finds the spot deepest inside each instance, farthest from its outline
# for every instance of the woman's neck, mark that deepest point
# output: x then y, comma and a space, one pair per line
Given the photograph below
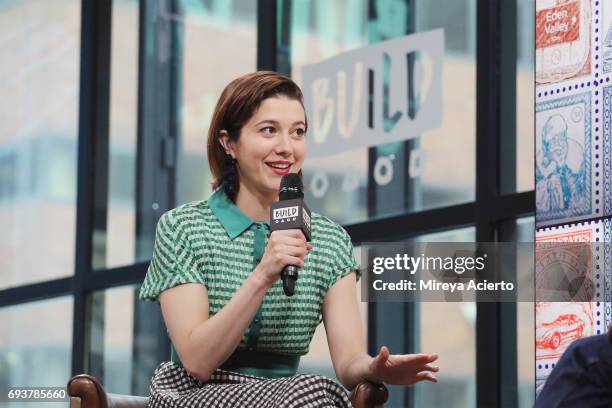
254, 204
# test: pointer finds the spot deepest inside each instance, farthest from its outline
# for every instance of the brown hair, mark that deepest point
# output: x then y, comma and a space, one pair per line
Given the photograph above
236, 105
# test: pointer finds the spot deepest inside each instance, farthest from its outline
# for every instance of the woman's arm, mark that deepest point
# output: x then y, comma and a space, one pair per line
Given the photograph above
344, 333
204, 343
345, 337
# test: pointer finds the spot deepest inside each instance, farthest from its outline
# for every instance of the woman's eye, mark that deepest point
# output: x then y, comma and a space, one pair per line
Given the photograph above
268, 130
300, 132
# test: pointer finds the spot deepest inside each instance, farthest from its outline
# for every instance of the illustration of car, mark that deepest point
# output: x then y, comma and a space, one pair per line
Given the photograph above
565, 327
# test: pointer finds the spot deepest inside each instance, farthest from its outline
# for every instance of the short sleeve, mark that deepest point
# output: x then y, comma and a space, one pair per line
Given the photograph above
173, 262
344, 259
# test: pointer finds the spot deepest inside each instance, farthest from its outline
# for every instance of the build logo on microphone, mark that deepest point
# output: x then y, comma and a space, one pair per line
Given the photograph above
285, 214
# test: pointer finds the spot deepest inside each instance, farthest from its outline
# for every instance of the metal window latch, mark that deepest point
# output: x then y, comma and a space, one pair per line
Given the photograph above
168, 152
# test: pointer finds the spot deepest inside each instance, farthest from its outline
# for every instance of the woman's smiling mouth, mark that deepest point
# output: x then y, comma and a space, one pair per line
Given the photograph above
280, 167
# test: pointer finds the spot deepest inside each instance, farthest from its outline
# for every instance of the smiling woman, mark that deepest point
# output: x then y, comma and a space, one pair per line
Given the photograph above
272, 144
267, 108
216, 266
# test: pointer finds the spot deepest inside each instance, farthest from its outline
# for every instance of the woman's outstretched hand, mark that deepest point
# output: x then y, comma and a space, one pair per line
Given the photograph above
403, 369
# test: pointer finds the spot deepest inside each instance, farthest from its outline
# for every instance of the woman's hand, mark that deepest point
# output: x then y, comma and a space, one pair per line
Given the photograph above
403, 369
285, 247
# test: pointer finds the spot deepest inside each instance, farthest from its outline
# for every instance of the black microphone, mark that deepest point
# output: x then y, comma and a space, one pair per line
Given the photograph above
290, 212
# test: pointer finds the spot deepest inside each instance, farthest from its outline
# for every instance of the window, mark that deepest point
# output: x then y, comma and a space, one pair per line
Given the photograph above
143, 138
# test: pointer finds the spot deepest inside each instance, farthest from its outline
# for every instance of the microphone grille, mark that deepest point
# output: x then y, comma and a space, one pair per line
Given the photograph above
291, 187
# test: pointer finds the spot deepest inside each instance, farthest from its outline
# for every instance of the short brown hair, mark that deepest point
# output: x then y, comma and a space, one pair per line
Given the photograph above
236, 105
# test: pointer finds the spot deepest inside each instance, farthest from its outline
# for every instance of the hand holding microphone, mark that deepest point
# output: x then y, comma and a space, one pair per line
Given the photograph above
290, 213
288, 243
285, 247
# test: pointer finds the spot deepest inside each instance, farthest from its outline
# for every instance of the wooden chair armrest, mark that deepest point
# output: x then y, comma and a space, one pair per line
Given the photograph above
369, 395
86, 392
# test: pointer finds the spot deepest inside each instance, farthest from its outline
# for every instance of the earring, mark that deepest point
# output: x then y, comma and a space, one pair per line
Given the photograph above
228, 177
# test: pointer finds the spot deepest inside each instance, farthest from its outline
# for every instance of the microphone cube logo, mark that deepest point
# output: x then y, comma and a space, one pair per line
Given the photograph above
285, 214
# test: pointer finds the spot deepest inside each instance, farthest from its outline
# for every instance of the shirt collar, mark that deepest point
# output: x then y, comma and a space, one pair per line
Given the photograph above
233, 220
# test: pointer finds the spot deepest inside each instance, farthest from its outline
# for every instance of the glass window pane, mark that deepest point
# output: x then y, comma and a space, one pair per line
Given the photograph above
29, 359
525, 322
320, 30
121, 221
443, 181
457, 377
38, 133
128, 340
117, 340
525, 94
212, 33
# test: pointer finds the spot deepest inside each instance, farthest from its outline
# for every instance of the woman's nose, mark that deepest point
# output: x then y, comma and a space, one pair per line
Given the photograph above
283, 144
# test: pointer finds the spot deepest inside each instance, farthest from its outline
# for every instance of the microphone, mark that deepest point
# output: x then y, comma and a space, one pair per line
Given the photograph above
290, 212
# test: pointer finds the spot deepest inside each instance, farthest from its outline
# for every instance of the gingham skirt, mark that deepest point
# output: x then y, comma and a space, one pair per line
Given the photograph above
172, 386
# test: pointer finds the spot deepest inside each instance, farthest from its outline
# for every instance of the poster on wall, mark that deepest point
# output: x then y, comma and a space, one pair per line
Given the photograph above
561, 321
573, 174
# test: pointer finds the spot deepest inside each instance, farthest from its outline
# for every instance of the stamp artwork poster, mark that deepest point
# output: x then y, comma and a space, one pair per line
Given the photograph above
564, 159
573, 176
561, 320
563, 40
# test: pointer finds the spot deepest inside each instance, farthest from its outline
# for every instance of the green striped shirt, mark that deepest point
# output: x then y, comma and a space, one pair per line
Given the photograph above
214, 243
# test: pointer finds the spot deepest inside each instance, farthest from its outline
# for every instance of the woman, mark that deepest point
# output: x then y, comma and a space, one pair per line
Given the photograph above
215, 270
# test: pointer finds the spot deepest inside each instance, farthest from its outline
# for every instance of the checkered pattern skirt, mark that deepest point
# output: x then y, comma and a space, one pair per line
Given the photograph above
172, 386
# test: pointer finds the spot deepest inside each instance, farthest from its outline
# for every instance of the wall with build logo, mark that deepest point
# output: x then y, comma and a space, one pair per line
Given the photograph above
350, 105
573, 192
386, 92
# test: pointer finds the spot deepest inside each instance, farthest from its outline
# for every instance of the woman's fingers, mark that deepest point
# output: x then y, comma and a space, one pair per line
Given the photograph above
384, 352
298, 252
292, 260
404, 369
284, 247
290, 233
381, 358
426, 376
294, 241
417, 358
288, 240
291, 241
431, 367
284, 260
432, 357
297, 233
429, 358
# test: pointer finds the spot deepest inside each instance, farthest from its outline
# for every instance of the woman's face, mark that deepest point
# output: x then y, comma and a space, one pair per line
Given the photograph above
271, 144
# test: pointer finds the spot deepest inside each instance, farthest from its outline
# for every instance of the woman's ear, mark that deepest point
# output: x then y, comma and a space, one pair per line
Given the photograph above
226, 143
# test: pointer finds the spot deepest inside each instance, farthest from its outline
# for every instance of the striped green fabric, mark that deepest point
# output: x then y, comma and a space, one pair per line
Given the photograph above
213, 243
